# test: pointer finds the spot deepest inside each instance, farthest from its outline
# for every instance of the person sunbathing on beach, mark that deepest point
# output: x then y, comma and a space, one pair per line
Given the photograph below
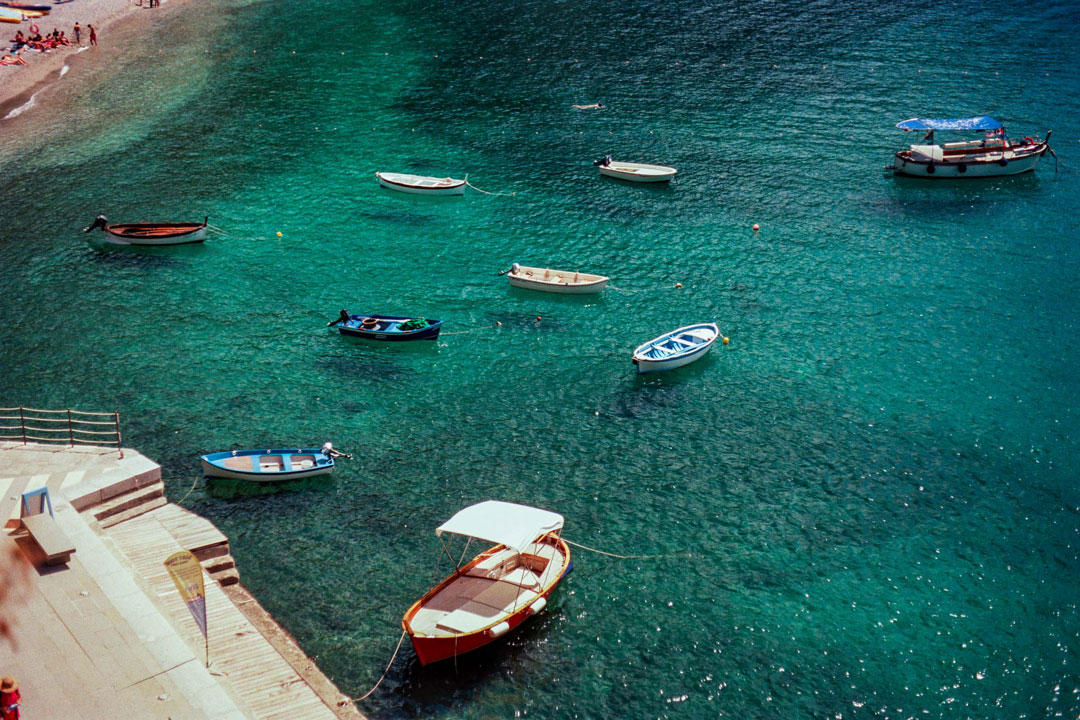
594, 106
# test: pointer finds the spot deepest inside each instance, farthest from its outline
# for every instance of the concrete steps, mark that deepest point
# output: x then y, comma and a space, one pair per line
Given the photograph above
127, 505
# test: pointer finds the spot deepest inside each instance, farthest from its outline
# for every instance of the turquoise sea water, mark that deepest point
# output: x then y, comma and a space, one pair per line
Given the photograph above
875, 481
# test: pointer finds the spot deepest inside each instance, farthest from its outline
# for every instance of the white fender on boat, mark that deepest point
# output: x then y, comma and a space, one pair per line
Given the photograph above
539, 605
500, 629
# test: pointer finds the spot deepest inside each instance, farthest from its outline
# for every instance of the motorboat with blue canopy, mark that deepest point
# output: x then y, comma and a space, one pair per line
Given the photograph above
992, 155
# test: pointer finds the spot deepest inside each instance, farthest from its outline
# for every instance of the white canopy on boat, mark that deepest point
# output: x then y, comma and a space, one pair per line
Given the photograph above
509, 524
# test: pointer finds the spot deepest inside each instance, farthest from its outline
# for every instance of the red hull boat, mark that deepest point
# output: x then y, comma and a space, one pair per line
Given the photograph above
498, 589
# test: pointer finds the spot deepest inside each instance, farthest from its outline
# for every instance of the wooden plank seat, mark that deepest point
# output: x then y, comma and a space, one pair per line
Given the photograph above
50, 538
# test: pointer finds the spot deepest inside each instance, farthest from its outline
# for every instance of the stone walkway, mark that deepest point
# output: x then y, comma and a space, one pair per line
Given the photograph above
107, 635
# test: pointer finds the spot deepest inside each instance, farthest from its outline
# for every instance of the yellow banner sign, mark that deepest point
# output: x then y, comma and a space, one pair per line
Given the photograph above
187, 573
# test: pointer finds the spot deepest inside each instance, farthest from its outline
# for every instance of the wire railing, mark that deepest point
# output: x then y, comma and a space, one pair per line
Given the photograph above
71, 427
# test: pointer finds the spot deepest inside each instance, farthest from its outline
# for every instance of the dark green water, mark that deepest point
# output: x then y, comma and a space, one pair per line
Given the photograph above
875, 480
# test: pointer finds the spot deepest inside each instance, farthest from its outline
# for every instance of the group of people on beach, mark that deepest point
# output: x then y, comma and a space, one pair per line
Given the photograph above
52, 41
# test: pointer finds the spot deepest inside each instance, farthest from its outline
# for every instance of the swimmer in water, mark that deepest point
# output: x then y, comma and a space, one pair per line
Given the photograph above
594, 106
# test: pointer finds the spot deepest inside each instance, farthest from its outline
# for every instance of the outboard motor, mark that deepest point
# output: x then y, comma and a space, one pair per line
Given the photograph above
604, 162
99, 222
515, 269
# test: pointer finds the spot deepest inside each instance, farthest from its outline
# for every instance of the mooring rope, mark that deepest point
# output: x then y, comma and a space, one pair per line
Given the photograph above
624, 557
676, 286
219, 231
486, 192
472, 329
383, 676
190, 490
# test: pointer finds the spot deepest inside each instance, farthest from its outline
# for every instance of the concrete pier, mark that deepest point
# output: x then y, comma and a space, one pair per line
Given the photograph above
107, 634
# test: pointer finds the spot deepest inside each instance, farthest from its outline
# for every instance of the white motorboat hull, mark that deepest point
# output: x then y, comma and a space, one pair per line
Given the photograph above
562, 282
441, 186
196, 236
638, 172
991, 165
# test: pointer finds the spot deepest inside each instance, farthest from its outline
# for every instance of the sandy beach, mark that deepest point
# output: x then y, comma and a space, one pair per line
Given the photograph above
117, 23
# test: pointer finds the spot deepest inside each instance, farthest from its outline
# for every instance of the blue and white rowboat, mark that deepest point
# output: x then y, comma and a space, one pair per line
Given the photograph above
267, 465
676, 348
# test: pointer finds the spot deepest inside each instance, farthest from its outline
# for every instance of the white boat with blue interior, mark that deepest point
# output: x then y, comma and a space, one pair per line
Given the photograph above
676, 348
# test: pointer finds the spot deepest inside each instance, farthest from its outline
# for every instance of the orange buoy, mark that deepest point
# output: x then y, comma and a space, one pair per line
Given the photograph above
678, 285
725, 340
756, 227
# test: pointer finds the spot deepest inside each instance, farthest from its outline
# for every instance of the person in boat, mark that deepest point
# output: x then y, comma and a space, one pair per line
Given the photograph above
604, 162
99, 222
343, 317
329, 451
594, 106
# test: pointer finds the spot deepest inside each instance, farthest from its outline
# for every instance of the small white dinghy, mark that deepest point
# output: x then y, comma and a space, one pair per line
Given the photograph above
634, 172
676, 348
421, 185
564, 282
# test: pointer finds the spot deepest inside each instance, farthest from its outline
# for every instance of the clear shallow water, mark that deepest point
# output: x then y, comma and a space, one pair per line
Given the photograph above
875, 479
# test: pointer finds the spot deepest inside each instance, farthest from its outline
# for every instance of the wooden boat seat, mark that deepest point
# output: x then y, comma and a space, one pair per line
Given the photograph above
244, 462
271, 463
495, 566
303, 462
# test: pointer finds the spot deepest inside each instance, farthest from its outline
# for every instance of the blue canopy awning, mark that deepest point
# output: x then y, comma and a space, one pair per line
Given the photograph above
983, 122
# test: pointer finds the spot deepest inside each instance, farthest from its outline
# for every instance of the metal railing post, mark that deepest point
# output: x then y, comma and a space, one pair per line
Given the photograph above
22, 424
119, 446
71, 433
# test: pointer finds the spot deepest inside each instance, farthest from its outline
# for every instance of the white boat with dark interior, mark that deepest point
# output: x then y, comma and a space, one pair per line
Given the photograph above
420, 184
991, 155
634, 172
563, 282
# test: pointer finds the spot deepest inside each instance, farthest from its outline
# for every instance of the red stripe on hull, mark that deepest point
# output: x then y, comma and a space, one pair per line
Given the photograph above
434, 649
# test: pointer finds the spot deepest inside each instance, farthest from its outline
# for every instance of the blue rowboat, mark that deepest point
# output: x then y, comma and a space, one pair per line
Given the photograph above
268, 465
387, 328
676, 348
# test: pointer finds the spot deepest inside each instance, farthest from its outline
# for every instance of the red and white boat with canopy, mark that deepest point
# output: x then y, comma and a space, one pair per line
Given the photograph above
498, 589
993, 155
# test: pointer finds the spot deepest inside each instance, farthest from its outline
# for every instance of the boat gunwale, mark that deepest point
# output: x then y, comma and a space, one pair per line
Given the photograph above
960, 157
456, 183
596, 279
559, 543
638, 357
213, 458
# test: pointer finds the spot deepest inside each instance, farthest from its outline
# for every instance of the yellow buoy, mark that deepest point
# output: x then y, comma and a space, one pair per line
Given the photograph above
279, 233
725, 340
